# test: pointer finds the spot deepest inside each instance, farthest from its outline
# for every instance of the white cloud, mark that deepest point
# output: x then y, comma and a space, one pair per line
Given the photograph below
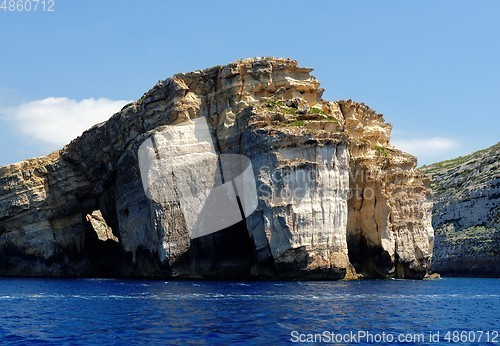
429, 150
55, 121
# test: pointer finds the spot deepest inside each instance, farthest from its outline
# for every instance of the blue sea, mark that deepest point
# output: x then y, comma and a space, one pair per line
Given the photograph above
137, 312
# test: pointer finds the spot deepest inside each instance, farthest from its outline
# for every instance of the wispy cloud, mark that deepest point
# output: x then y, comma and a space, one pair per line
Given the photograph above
429, 150
55, 121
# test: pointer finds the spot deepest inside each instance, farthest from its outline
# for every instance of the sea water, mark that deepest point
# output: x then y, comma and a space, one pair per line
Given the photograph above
116, 311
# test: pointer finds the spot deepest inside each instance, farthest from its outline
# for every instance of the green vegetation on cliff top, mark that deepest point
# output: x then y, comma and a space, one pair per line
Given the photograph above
458, 160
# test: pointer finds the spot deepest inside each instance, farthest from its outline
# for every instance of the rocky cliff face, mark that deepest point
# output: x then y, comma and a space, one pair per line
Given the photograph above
466, 214
333, 197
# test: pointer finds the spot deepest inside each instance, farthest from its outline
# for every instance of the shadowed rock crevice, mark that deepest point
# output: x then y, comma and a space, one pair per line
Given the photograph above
225, 254
104, 257
369, 259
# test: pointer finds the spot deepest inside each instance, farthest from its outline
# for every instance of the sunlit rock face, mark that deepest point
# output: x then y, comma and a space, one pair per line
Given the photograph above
389, 220
237, 171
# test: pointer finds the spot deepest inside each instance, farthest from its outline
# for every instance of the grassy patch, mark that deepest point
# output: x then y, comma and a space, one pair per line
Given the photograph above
297, 123
315, 110
459, 160
449, 163
280, 106
481, 233
288, 110
382, 150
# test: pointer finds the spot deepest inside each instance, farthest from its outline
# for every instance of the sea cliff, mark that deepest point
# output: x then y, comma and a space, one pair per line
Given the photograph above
466, 214
334, 199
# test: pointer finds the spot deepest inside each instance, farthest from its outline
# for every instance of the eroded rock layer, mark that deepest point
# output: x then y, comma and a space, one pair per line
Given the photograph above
334, 198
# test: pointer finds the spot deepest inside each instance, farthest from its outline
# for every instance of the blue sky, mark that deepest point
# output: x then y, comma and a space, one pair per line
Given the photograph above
431, 67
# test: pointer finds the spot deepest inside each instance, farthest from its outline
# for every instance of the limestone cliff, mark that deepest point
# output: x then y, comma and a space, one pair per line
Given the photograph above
333, 196
466, 214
